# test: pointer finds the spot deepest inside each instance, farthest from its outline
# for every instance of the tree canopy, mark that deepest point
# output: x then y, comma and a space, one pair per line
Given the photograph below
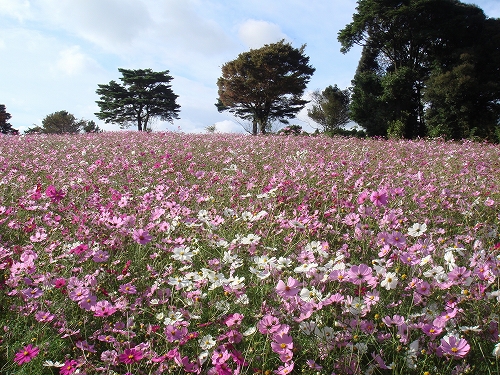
63, 122
143, 96
59, 123
5, 126
264, 85
330, 108
412, 49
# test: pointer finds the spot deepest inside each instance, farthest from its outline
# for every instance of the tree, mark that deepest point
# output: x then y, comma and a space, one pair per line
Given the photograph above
91, 127
330, 108
61, 122
5, 127
404, 43
265, 84
145, 95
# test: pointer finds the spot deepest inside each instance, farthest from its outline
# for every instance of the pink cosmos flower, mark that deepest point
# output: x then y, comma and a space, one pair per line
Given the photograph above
268, 324
360, 274
127, 289
69, 367
454, 347
459, 275
234, 319
431, 330
290, 289
285, 369
54, 195
489, 202
103, 308
130, 356
39, 236
44, 316
26, 354
141, 236
282, 343
79, 293
379, 198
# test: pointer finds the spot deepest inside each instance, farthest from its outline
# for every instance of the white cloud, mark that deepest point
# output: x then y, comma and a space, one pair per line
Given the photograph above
16, 9
72, 61
227, 126
182, 24
110, 24
255, 33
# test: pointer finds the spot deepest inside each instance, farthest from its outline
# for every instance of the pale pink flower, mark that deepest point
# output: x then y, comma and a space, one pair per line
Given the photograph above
290, 289
454, 347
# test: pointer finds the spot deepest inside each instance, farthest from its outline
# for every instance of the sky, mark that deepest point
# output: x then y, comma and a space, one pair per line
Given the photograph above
54, 53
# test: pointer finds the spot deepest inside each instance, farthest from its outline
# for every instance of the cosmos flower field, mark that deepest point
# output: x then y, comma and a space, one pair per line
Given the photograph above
168, 253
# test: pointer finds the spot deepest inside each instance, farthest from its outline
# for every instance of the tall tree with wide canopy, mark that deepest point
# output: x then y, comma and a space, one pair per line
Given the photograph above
59, 122
143, 96
265, 84
5, 126
404, 42
330, 108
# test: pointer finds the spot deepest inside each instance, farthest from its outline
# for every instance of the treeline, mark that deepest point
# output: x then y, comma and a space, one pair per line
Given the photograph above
429, 68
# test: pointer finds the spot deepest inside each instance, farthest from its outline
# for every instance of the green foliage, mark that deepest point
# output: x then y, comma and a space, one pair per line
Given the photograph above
330, 108
91, 127
59, 123
211, 128
292, 130
265, 84
356, 133
5, 127
415, 47
143, 96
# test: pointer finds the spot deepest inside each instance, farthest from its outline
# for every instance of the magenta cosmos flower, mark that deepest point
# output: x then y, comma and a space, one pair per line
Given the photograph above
141, 236
69, 367
26, 354
454, 347
130, 356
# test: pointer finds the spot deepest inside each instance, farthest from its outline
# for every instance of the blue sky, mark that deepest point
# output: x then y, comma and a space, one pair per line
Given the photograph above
54, 53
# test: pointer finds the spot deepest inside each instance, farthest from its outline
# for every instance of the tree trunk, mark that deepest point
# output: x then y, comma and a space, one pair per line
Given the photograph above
262, 127
139, 124
254, 127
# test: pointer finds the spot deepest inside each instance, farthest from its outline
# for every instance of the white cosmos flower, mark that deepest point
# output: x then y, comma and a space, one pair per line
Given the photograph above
203, 216
52, 364
496, 351
172, 318
435, 273
417, 230
260, 273
250, 331
264, 262
207, 342
250, 239
179, 282
246, 216
449, 258
182, 253
259, 216
390, 281
311, 295
203, 356
306, 267
243, 300
283, 262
